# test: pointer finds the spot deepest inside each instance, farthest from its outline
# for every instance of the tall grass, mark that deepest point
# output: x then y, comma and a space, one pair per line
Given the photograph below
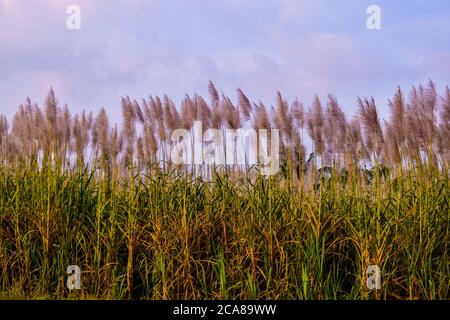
75, 191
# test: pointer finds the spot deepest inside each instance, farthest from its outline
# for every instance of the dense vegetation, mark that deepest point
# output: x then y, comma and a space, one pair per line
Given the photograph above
74, 191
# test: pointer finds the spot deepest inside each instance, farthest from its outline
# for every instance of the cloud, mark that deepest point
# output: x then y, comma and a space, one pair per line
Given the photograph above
301, 10
142, 47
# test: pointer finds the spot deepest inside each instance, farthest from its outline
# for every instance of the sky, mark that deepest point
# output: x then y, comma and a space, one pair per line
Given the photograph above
143, 47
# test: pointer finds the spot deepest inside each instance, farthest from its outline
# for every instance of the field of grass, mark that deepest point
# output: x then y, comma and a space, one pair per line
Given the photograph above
141, 229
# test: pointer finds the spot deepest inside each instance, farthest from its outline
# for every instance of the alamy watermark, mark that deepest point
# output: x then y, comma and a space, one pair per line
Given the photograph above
74, 279
237, 147
374, 20
73, 22
373, 277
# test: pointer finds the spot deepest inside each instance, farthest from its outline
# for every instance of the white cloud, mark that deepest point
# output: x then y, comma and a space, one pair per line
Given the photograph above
139, 47
302, 10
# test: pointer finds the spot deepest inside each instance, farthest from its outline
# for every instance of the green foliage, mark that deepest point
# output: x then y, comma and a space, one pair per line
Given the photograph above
167, 236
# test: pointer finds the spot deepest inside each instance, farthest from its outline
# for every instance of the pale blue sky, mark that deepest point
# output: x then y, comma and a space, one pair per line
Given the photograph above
137, 48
